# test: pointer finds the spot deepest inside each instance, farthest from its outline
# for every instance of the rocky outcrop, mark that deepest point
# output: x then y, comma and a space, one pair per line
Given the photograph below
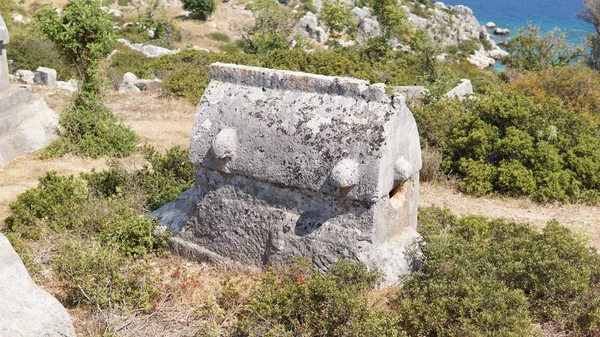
293, 164
308, 26
452, 25
25, 309
501, 31
148, 49
411, 92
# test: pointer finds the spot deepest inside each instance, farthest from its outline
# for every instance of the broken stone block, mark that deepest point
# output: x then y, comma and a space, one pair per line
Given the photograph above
463, 90
25, 309
25, 76
45, 76
292, 164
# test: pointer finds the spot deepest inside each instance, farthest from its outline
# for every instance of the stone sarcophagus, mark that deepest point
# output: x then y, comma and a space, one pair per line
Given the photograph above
293, 164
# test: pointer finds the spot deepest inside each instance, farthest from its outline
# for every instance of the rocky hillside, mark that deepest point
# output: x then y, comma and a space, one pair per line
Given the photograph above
447, 25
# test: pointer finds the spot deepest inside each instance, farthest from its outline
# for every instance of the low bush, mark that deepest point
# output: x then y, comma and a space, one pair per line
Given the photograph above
102, 216
300, 301
468, 47
516, 145
221, 37
482, 277
99, 275
89, 128
201, 9
28, 50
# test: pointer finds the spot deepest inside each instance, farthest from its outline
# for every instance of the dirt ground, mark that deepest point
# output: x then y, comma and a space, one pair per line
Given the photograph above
581, 219
160, 122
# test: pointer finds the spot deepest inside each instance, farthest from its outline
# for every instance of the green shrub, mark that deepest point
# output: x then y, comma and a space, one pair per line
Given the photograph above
99, 275
531, 51
273, 28
221, 37
468, 47
483, 277
52, 204
515, 145
29, 50
202, 9
487, 45
165, 177
338, 18
84, 32
453, 49
302, 302
89, 128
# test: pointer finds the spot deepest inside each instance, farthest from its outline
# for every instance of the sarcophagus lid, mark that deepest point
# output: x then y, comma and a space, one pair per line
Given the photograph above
341, 137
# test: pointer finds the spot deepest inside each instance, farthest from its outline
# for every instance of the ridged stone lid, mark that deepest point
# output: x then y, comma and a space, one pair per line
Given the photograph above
332, 135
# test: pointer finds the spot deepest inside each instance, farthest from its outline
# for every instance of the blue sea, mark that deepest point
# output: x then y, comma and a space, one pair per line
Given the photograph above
547, 14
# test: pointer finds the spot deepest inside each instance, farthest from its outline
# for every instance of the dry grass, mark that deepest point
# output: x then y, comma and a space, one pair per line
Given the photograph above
582, 219
229, 18
195, 297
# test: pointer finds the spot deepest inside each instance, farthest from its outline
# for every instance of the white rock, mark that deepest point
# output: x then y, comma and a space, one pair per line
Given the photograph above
25, 309
490, 25
25, 76
45, 76
129, 78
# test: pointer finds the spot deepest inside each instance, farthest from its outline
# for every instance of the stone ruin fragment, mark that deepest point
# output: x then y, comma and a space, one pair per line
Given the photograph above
293, 164
26, 122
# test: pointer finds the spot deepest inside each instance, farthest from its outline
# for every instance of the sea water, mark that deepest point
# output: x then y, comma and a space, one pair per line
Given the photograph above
514, 14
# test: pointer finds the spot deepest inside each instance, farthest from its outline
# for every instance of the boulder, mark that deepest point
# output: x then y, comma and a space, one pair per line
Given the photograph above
481, 59
490, 25
292, 164
309, 28
27, 124
361, 13
149, 85
463, 90
16, 17
25, 309
367, 29
45, 76
501, 31
129, 78
498, 53
25, 76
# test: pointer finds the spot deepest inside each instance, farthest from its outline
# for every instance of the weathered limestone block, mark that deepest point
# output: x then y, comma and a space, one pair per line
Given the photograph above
45, 76
26, 122
4, 40
411, 92
25, 76
463, 90
25, 309
293, 164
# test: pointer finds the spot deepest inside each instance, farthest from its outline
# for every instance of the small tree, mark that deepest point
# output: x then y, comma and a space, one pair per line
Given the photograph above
532, 51
84, 33
338, 17
200, 8
591, 14
274, 27
392, 19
